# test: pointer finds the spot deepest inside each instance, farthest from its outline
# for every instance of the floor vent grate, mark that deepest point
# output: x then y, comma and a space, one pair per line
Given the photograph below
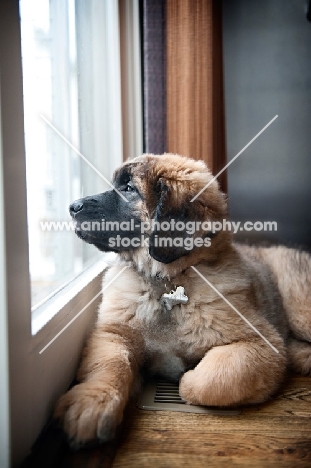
164, 396
167, 392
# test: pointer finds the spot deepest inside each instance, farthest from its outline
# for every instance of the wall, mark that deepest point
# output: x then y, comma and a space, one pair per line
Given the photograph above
267, 72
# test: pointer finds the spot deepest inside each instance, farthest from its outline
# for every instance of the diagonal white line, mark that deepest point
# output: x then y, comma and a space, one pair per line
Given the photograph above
235, 157
83, 157
82, 310
235, 309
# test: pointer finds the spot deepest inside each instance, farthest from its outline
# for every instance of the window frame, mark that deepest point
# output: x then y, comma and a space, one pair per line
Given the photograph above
4, 364
35, 379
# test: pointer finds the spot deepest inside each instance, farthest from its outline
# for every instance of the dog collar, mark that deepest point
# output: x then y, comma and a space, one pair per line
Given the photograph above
169, 300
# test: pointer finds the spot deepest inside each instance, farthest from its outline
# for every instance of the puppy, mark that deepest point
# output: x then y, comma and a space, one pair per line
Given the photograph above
236, 318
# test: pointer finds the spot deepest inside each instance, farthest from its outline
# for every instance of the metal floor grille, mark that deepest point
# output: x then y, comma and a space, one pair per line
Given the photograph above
164, 396
167, 392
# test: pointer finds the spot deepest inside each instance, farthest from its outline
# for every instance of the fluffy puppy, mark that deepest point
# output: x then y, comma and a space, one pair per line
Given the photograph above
229, 344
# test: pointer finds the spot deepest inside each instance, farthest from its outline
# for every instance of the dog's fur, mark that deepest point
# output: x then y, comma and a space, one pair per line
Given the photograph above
217, 357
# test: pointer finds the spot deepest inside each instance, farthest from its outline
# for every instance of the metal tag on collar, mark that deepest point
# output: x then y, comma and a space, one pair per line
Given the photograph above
174, 298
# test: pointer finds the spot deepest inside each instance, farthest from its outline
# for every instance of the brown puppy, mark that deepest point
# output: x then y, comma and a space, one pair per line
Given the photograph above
218, 358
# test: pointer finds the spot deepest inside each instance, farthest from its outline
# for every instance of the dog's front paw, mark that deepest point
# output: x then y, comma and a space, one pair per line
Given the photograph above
89, 411
186, 390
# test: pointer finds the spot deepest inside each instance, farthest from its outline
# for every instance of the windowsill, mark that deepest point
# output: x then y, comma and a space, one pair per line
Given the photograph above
46, 311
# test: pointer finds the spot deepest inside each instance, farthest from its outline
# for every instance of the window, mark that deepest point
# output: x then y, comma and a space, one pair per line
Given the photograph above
82, 99
73, 129
71, 82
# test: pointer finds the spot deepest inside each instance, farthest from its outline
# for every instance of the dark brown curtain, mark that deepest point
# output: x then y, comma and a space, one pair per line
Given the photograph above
188, 54
154, 75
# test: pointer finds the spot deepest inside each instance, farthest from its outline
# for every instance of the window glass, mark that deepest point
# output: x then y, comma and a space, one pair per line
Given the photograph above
72, 107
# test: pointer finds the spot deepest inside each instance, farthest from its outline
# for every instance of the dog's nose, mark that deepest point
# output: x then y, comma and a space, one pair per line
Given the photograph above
75, 207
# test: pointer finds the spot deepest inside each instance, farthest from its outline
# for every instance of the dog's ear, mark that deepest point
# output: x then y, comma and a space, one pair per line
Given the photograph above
166, 244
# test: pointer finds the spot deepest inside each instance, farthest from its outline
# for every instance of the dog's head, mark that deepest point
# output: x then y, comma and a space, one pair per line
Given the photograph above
150, 213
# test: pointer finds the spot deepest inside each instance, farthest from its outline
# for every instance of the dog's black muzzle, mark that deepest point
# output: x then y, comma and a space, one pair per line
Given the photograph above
98, 219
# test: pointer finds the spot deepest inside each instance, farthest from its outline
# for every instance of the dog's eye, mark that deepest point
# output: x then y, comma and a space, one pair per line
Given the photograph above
129, 187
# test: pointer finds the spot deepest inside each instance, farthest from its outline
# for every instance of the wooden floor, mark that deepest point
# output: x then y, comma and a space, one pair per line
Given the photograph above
275, 434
